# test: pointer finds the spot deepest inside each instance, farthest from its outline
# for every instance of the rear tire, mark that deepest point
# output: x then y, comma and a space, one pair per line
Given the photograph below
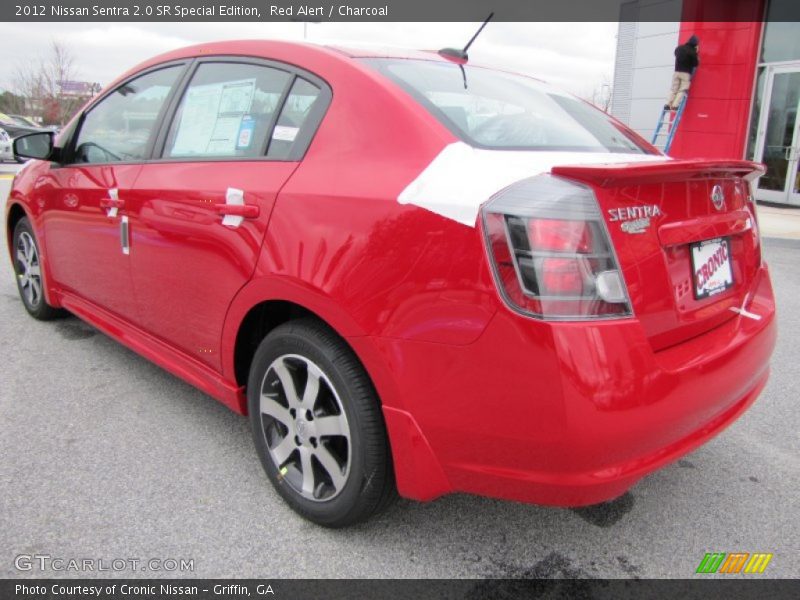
317, 425
28, 270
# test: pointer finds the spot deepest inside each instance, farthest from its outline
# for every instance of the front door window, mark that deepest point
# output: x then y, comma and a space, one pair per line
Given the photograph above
121, 127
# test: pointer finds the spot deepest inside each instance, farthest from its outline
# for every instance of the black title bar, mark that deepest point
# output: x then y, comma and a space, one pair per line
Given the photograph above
733, 588
393, 10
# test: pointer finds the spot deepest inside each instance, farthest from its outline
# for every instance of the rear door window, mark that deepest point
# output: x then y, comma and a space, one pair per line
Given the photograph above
293, 123
227, 111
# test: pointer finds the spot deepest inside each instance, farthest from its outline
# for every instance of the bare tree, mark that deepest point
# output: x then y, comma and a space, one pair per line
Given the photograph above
600, 95
45, 84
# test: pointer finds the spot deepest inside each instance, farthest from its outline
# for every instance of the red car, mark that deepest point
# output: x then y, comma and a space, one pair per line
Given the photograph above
414, 274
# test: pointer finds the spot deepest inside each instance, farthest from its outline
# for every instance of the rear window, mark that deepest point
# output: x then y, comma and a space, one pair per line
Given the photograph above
492, 109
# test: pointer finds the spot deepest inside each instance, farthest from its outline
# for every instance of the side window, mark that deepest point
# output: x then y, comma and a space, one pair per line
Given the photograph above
227, 111
294, 115
120, 127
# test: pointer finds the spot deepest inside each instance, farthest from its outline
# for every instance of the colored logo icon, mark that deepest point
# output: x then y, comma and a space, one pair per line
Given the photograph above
734, 562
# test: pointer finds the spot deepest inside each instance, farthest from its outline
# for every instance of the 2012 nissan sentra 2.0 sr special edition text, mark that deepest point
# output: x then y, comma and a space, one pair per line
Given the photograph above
414, 274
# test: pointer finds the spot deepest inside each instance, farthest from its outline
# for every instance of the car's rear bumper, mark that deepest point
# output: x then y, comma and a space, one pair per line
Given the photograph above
567, 414
595, 485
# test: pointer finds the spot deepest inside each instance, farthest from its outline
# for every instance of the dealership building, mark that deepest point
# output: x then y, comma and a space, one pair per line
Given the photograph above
744, 97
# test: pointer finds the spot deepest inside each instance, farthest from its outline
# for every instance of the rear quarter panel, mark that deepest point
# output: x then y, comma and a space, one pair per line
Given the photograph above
339, 242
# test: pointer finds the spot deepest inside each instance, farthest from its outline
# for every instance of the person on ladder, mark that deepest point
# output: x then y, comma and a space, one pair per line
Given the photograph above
686, 61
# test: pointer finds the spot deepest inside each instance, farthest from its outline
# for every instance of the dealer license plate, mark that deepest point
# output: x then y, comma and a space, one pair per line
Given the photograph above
711, 267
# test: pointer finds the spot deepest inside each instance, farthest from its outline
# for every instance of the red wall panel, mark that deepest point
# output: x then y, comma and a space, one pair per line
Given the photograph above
716, 118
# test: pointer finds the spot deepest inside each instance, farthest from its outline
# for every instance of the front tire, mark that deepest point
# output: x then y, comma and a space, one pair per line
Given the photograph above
28, 270
317, 425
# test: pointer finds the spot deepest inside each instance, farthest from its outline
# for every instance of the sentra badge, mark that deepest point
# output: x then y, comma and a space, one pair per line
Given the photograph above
634, 219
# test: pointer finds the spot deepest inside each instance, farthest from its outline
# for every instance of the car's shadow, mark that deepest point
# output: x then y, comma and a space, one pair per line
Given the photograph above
486, 537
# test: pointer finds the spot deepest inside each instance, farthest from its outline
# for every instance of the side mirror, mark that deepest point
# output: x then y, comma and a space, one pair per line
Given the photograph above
34, 145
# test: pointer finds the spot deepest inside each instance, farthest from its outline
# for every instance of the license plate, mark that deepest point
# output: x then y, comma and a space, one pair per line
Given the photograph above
711, 267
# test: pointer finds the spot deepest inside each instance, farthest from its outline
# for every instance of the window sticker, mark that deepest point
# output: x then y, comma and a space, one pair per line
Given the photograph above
285, 133
245, 137
212, 116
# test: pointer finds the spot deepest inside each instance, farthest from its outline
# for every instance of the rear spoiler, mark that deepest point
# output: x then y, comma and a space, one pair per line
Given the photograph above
638, 173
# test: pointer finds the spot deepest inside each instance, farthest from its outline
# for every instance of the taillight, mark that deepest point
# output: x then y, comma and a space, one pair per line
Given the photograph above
746, 189
551, 253
559, 235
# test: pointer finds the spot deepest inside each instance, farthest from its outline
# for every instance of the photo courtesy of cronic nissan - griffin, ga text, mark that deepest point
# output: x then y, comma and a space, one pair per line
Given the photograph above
415, 275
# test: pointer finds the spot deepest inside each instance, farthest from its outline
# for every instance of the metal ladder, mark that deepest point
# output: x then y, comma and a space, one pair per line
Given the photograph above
669, 124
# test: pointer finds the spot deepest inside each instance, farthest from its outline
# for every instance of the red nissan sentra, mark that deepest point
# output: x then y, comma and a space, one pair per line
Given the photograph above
414, 274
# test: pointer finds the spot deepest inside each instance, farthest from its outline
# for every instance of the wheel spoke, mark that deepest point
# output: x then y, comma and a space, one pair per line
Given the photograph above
29, 293
287, 382
34, 270
312, 388
36, 286
276, 411
26, 241
21, 258
331, 426
331, 465
308, 471
283, 450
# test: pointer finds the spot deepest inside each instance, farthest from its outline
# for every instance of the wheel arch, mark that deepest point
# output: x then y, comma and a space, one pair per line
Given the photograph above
256, 325
15, 212
417, 472
265, 303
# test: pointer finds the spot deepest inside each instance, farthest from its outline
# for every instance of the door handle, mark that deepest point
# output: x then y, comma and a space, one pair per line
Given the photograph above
247, 211
235, 210
111, 203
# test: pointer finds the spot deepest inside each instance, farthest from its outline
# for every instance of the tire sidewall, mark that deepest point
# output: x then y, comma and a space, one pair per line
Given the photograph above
286, 341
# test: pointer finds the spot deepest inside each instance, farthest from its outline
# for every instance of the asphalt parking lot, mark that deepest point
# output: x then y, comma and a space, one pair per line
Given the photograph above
106, 456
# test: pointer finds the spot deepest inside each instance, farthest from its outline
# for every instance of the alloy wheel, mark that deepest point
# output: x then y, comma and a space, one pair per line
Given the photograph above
305, 428
29, 271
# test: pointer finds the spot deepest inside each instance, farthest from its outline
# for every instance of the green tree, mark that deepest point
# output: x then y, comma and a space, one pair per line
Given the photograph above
11, 103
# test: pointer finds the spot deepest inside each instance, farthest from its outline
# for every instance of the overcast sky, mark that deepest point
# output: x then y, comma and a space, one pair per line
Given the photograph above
579, 57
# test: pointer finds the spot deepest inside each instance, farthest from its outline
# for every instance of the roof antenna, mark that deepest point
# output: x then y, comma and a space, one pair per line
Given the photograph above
462, 54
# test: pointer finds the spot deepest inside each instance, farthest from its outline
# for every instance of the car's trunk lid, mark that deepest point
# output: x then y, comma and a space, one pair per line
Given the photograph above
686, 237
